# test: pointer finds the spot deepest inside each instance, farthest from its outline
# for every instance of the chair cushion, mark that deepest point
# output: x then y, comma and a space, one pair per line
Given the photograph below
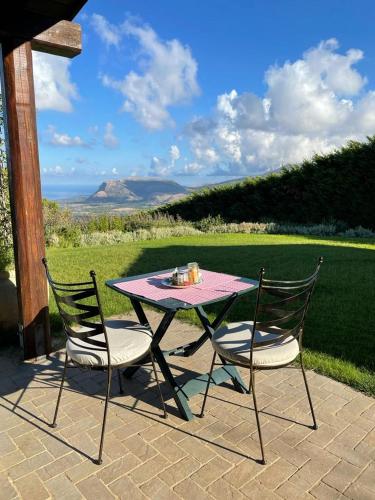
128, 343
233, 343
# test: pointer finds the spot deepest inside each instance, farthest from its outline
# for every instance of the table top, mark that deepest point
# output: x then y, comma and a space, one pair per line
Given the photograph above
148, 288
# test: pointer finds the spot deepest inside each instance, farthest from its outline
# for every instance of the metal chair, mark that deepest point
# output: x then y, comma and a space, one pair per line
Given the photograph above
273, 339
95, 343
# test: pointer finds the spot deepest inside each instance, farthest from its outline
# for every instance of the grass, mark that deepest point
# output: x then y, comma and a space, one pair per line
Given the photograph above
339, 334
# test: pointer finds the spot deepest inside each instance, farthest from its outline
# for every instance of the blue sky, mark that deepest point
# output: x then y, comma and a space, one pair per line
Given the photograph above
204, 91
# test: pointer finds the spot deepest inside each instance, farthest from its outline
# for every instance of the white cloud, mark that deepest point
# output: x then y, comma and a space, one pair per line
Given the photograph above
55, 170
54, 88
174, 153
192, 168
110, 140
109, 33
159, 167
64, 140
162, 167
167, 77
312, 105
114, 171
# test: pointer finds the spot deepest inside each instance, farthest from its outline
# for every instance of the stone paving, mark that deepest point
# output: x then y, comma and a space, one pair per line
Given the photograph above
146, 456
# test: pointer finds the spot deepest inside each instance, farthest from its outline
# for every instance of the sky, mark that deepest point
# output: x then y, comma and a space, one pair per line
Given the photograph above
205, 91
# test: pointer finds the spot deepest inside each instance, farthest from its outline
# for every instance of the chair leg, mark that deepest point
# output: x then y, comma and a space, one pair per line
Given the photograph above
315, 425
252, 378
208, 385
120, 381
158, 384
54, 424
109, 377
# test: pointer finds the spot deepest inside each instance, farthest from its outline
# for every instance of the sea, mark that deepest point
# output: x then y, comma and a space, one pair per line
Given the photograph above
66, 191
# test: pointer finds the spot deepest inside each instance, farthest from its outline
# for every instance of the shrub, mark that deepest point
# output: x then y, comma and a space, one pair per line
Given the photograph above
358, 232
338, 186
116, 237
52, 240
209, 222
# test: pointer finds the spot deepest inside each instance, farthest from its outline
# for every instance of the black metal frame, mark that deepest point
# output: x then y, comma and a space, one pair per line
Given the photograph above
70, 297
288, 312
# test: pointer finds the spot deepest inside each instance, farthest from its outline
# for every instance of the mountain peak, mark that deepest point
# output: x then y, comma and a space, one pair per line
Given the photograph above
150, 190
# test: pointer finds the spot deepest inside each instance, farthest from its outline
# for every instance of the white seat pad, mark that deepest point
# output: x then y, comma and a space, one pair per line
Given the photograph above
128, 343
233, 343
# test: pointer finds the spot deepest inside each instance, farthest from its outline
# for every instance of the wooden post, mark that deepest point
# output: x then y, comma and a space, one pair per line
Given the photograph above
25, 196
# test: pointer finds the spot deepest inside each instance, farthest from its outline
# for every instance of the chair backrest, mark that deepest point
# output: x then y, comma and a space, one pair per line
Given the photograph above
281, 308
77, 315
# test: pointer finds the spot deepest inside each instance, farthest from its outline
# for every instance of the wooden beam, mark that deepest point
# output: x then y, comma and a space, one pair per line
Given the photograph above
25, 196
62, 39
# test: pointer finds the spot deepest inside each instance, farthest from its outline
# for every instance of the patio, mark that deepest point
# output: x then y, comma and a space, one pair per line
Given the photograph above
146, 456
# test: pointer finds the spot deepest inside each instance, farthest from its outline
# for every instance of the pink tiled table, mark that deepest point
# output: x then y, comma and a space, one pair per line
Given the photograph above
215, 287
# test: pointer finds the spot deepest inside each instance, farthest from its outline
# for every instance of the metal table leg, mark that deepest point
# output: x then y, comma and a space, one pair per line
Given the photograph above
182, 393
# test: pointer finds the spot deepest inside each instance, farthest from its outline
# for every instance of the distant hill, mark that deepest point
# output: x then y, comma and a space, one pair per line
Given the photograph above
136, 190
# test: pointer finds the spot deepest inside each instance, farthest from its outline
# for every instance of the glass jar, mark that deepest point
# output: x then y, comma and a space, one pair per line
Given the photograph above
193, 272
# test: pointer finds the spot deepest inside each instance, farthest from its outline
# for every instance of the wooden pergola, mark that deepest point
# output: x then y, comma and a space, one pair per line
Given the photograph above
26, 25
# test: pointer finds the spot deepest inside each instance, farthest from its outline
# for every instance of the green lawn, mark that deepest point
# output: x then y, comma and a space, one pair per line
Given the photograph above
340, 328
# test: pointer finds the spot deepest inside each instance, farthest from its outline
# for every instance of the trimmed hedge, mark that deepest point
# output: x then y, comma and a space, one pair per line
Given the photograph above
339, 186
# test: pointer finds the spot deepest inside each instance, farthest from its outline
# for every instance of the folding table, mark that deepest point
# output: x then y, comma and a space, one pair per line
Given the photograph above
215, 287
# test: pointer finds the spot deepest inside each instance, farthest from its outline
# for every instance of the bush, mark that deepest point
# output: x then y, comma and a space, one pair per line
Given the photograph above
70, 236
338, 186
358, 232
154, 233
209, 223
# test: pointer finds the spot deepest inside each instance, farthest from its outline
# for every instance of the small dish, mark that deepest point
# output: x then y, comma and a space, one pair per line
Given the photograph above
168, 282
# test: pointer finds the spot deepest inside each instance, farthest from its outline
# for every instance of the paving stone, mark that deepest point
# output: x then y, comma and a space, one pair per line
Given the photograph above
188, 489
148, 469
31, 487
124, 489
312, 471
29, 465
291, 491
6, 444
292, 455
118, 468
255, 490
325, 492
244, 472
157, 489
85, 469
323, 435
357, 491
276, 474
7, 490
62, 489
11, 459
29, 444
211, 471
196, 448
169, 449
56, 445
59, 465
92, 487
221, 490
367, 478
140, 448
179, 471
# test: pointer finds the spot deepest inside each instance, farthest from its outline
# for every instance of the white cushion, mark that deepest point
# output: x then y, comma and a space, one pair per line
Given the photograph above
128, 343
233, 343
